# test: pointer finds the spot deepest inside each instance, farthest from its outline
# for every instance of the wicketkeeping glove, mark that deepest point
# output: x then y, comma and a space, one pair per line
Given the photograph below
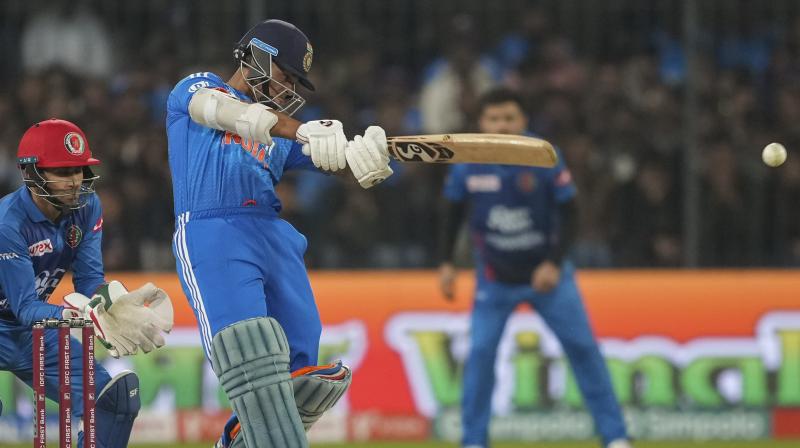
125, 321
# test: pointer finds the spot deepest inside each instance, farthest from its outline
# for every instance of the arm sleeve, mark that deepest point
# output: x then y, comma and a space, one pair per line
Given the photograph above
563, 187
452, 212
564, 192
87, 267
451, 217
567, 231
455, 186
19, 281
296, 160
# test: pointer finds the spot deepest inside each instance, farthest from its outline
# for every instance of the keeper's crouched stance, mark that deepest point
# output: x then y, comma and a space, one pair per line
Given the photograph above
48, 227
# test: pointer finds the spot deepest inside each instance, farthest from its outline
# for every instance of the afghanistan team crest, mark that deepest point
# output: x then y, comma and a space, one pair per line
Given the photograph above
308, 58
74, 143
526, 182
74, 236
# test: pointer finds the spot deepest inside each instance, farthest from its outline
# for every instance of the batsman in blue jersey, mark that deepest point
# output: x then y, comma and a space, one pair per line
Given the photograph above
241, 265
521, 221
51, 225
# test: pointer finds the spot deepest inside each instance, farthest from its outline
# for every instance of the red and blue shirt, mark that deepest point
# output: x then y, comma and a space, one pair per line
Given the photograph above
35, 253
512, 213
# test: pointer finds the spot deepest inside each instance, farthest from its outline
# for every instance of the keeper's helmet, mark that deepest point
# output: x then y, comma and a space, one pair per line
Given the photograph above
285, 45
53, 144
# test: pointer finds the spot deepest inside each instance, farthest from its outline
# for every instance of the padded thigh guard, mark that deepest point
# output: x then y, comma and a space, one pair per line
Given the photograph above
251, 360
116, 408
319, 390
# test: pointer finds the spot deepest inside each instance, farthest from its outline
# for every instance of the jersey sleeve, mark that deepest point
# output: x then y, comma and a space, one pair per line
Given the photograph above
87, 267
18, 280
182, 93
296, 160
563, 186
455, 185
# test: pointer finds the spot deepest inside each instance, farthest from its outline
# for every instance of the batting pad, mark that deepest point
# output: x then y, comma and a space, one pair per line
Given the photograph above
251, 360
317, 391
116, 408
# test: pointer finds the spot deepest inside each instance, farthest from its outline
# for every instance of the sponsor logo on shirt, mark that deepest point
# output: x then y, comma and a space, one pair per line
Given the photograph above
259, 151
47, 281
198, 85
509, 219
40, 248
483, 183
98, 226
8, 256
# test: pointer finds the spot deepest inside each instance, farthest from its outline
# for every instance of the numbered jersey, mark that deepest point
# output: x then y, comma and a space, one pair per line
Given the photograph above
35, 253
512, 214
213, 169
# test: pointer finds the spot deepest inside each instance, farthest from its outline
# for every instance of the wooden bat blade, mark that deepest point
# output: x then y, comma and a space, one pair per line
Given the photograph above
473, 148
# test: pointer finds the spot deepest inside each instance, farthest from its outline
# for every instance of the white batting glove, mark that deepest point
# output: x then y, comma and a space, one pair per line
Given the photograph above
325, 142
125, 321
368, 157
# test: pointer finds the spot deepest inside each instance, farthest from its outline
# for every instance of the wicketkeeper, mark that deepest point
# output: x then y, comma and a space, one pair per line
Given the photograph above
51, 225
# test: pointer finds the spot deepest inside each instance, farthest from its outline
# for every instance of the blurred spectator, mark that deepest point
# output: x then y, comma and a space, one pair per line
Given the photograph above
784, 235
590, 174
727, 217
67, 35
613, 102
453, 84
647, 227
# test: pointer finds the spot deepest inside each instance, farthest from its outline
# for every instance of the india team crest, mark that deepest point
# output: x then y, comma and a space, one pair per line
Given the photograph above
308, 58
74, 143
74, 236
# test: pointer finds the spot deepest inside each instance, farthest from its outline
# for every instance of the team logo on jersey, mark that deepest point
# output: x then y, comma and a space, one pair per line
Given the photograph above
483, 183
526, 182
74, 143
308, 58
74, 236
40, 248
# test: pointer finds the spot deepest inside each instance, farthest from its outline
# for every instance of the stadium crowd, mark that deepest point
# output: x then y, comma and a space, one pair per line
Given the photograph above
618, 115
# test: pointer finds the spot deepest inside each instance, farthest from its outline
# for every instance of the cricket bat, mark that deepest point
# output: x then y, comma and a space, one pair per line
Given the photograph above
473, 148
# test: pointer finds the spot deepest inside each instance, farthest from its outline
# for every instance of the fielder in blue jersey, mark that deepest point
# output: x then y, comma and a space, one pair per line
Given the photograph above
51, 225
521, 221
241, 265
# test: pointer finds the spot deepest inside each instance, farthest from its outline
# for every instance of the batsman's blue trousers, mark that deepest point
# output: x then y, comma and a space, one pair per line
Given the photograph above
237, 264
562, 310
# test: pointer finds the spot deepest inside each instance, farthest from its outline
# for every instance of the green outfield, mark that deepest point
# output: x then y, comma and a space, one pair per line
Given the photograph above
676, 444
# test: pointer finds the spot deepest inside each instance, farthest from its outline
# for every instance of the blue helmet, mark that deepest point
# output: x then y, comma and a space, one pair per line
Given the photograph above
285, 45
